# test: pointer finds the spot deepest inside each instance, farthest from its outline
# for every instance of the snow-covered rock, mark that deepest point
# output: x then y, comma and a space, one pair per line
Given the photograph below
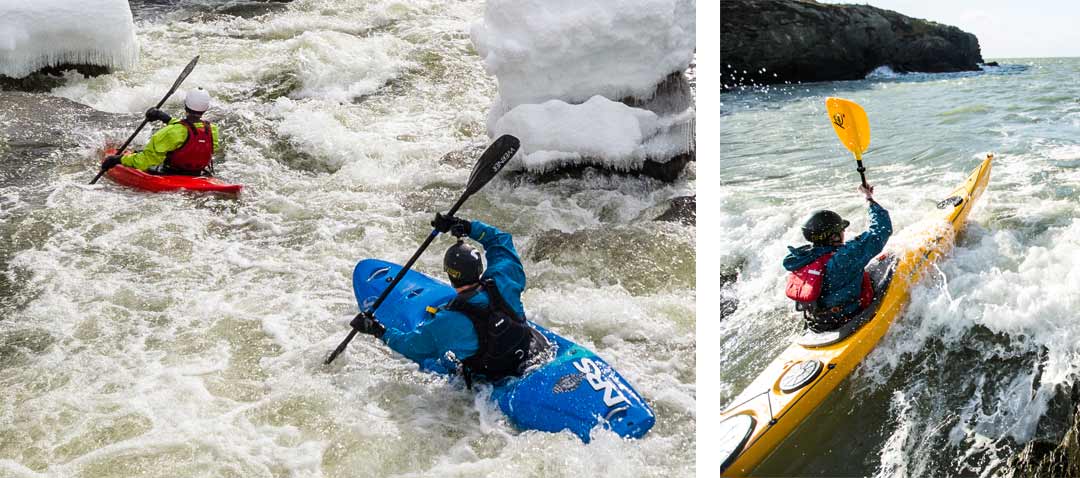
578, 79
36, 34
559, 133
574, 49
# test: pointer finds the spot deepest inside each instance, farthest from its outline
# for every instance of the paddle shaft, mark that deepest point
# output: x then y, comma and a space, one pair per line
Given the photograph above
408, 265
862, 172
165, 98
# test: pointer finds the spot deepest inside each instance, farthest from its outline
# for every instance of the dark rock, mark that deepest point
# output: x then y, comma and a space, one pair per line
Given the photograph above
35, 126
673, 96
729, 302
1047, 457
48, 78
991, 63
777, 41
156, 10
683, 209
667, 171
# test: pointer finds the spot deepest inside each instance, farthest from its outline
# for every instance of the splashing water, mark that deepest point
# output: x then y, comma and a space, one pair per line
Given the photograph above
984, 357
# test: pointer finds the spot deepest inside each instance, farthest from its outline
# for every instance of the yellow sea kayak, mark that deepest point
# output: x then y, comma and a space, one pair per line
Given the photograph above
804, 375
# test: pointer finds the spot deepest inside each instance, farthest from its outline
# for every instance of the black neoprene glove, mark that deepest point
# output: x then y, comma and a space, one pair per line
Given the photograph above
451, 224
110, 162
366, 323
154, 114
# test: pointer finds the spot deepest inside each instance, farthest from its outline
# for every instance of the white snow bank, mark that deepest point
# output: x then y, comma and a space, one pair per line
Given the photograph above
574, 49
35, 34
601, 131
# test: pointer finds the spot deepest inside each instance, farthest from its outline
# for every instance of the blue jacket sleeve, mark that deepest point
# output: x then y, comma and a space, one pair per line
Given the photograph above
447, 331
503, 263
855, 254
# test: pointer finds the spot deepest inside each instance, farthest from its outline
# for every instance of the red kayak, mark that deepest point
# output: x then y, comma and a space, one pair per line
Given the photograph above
158, 183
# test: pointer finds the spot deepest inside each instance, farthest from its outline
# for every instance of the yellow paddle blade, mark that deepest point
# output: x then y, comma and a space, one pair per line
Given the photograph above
850, 123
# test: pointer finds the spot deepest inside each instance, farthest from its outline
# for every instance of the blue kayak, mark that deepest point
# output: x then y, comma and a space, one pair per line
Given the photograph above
575, 390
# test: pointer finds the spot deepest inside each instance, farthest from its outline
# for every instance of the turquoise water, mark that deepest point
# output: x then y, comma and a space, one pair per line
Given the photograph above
983, 360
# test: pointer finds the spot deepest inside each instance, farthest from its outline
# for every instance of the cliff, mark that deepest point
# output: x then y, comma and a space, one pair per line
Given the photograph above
774, 41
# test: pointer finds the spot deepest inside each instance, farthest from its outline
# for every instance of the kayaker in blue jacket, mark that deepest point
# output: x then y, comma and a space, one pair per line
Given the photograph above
482, 332
845, 289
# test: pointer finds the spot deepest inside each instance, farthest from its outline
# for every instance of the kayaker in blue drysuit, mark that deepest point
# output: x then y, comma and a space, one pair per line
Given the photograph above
845, 288
482, 332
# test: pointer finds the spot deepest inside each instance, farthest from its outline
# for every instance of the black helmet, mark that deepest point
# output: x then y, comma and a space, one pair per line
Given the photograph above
822, 225
462, 263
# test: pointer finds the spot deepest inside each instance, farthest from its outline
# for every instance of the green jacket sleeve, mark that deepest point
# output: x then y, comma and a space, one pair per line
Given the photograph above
165, 140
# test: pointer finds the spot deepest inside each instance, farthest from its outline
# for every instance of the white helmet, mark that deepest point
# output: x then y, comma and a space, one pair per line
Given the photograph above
197, 100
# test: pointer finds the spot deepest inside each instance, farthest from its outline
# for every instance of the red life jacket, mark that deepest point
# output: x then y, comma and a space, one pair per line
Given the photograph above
197, 151
805, 284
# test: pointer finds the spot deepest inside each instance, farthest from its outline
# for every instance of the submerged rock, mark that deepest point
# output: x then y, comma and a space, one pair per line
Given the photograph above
643, 259
777, 41
34, 126
1046, 457
729, 302
45, 79
683, 210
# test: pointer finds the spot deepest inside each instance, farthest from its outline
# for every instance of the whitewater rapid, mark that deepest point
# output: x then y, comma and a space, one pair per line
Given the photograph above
177, 335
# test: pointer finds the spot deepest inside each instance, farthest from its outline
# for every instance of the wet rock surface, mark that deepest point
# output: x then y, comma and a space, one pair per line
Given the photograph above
1050, 456
683, 209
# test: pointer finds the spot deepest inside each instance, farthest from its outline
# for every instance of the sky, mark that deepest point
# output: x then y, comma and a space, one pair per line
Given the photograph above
1005, 28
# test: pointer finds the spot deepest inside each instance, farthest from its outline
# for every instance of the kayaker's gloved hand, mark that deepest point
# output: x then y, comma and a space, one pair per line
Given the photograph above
867, 191
110, 162
451, 224
154, 114
365, 323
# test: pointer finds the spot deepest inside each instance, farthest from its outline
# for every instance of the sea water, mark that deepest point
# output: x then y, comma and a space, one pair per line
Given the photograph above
985, 357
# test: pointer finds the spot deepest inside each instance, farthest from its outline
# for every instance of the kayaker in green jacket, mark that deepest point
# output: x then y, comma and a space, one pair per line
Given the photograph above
184, 146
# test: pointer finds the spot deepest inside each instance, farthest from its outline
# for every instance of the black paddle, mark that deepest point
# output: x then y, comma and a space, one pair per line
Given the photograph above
490, 163
183, 74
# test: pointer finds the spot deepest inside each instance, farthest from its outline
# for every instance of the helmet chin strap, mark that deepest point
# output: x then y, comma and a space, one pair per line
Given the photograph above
837, 239
465, 287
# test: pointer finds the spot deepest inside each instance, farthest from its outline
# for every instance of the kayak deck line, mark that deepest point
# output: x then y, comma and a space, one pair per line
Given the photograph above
767, 412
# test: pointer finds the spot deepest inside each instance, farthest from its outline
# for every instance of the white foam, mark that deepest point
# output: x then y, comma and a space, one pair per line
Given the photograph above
215, 315
42, 33
340, 67
882, 72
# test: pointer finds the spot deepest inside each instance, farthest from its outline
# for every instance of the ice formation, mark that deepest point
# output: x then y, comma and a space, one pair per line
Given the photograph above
42, 33
560, 133
563, 66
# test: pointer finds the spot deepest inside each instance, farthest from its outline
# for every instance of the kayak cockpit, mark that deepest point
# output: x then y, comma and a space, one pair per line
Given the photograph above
881, 272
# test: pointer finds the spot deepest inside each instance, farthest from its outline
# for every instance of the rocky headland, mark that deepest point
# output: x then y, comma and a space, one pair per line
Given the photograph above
778, 41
